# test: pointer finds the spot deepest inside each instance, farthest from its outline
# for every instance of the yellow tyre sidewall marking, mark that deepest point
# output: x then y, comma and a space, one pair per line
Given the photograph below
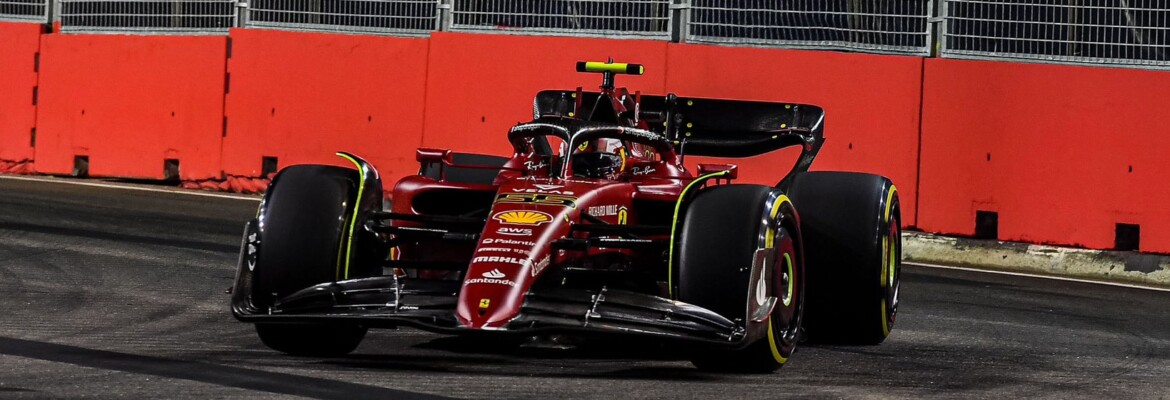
770, 242
888, 262
791, 282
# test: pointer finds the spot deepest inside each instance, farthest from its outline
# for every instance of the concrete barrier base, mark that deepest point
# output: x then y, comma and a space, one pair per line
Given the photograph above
1114, 266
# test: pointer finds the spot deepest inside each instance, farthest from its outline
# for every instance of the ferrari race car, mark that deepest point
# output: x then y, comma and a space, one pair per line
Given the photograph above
593, 226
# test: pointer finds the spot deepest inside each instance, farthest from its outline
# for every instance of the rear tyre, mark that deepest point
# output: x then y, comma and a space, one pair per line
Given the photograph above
851, 226
722, 231
302, 220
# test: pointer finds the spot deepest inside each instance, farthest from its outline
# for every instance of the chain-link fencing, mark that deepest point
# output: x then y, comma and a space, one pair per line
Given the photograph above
392, 17
894, 26
1115, 32
24, 10
1092, 32
612, 18
147, 16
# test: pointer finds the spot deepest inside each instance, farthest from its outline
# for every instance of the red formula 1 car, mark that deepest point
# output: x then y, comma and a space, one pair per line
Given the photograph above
593, 226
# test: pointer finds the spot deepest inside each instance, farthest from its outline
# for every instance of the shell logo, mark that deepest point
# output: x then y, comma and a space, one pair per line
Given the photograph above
523, 217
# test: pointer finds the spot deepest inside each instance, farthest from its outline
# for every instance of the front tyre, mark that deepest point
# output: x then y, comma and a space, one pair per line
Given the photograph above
311, 340
302, 228
739, 255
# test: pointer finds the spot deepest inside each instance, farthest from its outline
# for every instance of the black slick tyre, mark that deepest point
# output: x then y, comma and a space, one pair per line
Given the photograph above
302, 224
311, 340
850, 223
725, 231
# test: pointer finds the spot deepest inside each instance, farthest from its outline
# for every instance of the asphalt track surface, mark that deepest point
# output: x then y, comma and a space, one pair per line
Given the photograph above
111, 293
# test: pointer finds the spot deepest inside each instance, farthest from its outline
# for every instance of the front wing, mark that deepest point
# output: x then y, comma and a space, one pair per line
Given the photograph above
389, 301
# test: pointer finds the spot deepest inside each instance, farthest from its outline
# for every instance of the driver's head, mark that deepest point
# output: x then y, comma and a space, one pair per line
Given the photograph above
597, 165
598, 158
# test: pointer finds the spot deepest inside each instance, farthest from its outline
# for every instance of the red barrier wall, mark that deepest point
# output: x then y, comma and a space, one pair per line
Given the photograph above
301, 97
129, 102
1061, 153
18, 50
871, 105
480, 85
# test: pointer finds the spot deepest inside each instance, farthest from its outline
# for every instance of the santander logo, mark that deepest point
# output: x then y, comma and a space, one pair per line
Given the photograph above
493, 277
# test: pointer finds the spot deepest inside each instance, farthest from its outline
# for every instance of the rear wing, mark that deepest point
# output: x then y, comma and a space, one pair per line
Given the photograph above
699, 126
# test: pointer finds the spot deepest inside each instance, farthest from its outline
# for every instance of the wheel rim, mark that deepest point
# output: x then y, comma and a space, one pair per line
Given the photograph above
786, 318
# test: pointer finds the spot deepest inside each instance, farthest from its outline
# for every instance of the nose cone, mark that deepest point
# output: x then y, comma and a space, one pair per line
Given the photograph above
492, 292
505, 265
513, 251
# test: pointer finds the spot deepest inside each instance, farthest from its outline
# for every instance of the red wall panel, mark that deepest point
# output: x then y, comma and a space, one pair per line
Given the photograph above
480, 85
1062, 153
871, 103
303, 96
18, 47
129, 102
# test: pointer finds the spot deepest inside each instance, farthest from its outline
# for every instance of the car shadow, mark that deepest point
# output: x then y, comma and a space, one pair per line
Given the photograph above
243, 378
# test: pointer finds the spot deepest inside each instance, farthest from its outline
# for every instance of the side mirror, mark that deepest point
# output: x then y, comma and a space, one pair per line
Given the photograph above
426, 156
731, 169
434, 156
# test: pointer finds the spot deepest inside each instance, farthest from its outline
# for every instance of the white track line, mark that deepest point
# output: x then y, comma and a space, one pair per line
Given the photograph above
188, 192
1041, 276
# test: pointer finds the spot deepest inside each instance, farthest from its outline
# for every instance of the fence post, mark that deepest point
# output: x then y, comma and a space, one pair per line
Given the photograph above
680, 18
938, 28
241, 13
443, 23
53, 12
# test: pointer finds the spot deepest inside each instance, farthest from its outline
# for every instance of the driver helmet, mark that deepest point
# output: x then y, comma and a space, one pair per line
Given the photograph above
599, 158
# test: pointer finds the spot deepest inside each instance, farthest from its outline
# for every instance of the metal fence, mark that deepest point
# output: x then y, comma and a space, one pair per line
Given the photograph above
893, 26
398, 17
147, 16
24, 10
1095, 32
615, 18
1120, 32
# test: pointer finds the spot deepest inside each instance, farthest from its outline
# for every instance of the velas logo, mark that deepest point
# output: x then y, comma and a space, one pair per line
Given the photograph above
522, 217
554, 189
493, 274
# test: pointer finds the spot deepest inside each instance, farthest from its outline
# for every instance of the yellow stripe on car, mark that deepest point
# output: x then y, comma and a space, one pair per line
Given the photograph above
674, 227
353, 220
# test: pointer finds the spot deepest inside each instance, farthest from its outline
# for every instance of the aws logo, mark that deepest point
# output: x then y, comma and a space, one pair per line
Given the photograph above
514, 231
523, 217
